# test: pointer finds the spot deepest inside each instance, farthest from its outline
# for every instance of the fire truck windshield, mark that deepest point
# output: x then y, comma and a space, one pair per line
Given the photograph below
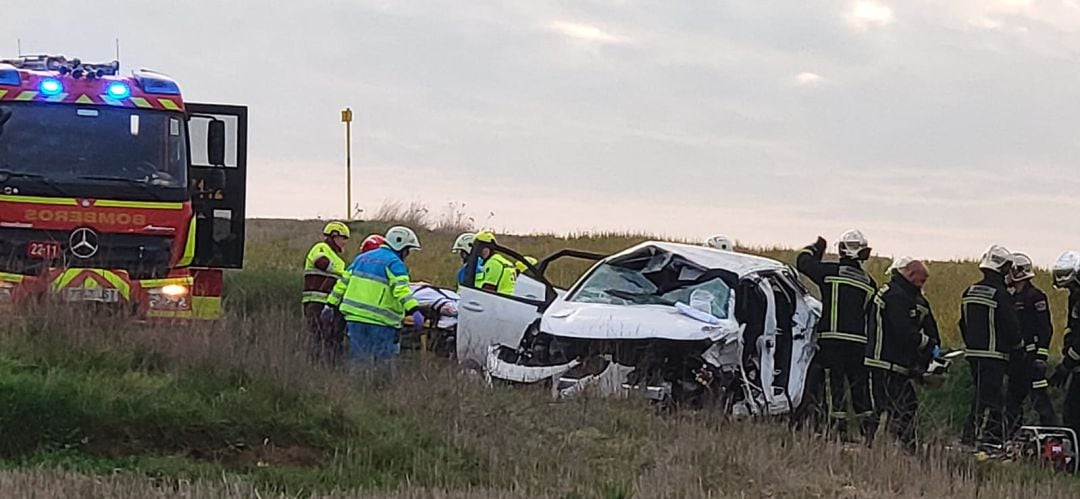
93, 151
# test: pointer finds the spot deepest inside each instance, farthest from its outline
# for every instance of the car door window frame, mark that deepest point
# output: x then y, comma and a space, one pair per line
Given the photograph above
534, 271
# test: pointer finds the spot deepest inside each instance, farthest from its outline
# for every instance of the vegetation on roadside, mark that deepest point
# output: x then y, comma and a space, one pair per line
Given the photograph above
95, 407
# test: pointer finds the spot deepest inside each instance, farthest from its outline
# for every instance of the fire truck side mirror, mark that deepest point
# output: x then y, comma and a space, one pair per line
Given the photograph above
215, 143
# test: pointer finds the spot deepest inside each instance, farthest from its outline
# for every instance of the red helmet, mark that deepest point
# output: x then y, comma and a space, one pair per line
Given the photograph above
371, 242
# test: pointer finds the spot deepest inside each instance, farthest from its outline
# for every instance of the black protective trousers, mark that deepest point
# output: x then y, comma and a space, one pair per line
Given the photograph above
1027, 379
986, 420
1071, 410
893, 396
844, 372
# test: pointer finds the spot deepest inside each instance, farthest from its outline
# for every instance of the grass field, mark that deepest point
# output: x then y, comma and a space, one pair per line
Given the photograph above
92, 407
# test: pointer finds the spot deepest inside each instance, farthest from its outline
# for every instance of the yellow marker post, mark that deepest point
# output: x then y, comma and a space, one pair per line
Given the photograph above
346, 118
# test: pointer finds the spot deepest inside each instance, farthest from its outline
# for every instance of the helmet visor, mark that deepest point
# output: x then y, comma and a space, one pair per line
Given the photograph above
1062, 276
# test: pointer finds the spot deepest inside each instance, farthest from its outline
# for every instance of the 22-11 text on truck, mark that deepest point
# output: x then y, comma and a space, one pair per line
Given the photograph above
116, 193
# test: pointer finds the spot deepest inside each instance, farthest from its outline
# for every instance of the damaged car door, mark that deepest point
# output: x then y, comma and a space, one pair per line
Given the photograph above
780, 316
488, 320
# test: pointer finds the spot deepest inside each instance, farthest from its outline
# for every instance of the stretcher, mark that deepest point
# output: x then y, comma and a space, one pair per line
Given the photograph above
440, 309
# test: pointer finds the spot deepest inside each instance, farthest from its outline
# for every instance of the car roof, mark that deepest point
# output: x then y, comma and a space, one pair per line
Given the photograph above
738, 263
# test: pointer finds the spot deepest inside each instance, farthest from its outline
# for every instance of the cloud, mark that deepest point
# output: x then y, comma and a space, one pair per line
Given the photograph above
809, 79
865, 15
714, 116
1014, 4
586, 32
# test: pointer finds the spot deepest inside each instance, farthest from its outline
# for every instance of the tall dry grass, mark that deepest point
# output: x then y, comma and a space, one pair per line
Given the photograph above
502, 441
276, 251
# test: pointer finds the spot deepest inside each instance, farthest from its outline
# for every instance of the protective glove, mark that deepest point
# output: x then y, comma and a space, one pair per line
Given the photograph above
819, 245
417, 320
1038, 367
1060, 377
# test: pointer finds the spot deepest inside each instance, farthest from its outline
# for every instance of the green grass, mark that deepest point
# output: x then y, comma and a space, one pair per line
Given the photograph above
234, 409
139, 410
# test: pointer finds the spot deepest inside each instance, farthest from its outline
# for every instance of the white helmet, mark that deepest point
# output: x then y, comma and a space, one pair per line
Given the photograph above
720, 243
400, 238
1022, 268
1066, 269
898, 263
996, 258
464, 242
853, 245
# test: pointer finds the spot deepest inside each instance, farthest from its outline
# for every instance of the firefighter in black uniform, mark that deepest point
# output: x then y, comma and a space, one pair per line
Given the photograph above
1067, 275
895, 344
1027, 371
991, 333
845, 290
927, 322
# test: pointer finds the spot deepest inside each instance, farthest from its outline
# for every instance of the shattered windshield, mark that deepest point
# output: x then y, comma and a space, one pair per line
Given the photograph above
617, 285
93, 151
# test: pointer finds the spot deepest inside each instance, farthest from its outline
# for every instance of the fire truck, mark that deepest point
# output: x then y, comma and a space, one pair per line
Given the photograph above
116, 193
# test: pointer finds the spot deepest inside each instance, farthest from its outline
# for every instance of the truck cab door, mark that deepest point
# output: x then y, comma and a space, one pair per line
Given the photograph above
218, 153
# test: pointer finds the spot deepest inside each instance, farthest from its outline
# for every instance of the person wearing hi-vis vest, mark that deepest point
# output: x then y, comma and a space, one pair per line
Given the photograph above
462, 247
374, 297
499, 274
322, 268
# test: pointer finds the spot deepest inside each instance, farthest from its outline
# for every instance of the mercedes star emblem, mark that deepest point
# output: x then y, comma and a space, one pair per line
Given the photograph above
83, 243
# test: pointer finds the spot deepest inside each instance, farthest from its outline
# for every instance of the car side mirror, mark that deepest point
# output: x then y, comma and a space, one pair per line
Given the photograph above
215, 143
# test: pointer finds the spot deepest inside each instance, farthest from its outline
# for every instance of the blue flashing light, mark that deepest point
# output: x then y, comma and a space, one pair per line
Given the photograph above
118, 90
156, 86
51, 86
10, 77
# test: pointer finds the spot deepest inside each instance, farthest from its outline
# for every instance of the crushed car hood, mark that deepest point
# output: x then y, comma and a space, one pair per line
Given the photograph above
628, 322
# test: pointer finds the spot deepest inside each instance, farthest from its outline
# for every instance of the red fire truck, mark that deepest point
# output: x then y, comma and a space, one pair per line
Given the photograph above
116, 192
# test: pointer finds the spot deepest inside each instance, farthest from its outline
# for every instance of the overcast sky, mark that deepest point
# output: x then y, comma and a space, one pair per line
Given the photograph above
936, 127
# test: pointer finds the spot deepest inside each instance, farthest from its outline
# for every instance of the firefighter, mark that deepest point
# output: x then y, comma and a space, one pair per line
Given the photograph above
374, 297
927, 321
462, 247
322, 268
523, 266
845, 290
895, 344
499, 274
372, 242
991, 333
1067, 276
1027, 371
720, 242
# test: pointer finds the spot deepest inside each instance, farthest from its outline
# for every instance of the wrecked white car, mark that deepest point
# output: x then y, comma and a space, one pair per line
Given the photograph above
682, 325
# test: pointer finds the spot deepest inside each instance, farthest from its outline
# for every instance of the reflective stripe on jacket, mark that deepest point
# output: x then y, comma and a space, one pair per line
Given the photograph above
894, 327
1036, 327
375, 290
318, 282
846, 290
1070, 346
478, 277
988, 323
499, 275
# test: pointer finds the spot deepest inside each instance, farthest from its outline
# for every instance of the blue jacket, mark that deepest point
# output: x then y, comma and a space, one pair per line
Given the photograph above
374, 289
461, 272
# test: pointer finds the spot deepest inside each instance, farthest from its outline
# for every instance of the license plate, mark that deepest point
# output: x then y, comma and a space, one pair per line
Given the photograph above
43, 250
159, 301
102, 295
